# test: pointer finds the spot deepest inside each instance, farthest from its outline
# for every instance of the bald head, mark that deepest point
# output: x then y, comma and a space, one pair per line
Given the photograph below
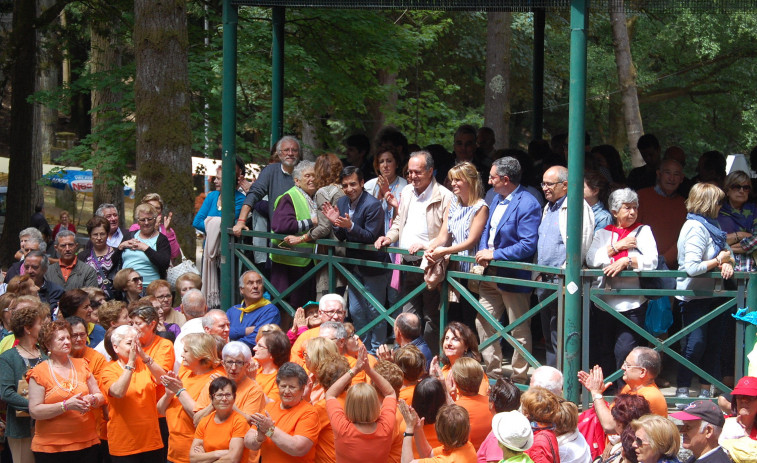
216, 322
193, 304
407, 328
549, 378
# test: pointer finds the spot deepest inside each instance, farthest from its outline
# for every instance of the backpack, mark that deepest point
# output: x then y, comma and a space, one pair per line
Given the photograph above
591, 428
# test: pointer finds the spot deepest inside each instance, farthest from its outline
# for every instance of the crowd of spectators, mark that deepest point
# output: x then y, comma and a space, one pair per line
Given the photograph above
102, 359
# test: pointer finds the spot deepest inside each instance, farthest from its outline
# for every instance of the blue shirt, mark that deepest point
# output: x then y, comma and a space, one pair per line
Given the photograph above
420, 343
257, 318
551, 248
602, 216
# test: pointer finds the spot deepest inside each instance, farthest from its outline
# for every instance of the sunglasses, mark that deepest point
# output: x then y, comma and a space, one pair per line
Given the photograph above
742, 187
137, 279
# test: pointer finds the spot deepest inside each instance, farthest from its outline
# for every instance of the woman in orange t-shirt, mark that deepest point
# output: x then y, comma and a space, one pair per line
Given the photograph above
199, 364
428, 398
62, 393
328, 374
288, 430
452, 427
459, 341
364, 426
131, 383
220, 435
271, 351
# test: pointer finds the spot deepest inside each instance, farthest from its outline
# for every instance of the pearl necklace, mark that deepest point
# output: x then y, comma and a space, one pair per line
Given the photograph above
68, 385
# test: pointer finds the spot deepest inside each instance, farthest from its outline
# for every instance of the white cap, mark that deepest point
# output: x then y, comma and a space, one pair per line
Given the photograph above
513, 430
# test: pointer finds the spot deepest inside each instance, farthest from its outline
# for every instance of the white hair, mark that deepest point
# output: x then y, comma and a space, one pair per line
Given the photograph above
193, 303
209, 318
330, 297
121, 332
549, 378
236, 348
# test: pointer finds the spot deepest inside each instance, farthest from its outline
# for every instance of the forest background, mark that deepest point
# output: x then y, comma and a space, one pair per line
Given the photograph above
96, 70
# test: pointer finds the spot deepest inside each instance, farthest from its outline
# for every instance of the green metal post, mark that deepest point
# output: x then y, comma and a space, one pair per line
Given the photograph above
750, 334
277, 75
228, 136
572, 324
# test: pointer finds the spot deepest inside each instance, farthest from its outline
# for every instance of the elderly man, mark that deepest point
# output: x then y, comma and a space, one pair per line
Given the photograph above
274, 180
216, 323
254, 311
509, 235
702, 423
640, 369
407, 330
30, 240
359, 218
549, 378
331, 307
664, 209
116, 233
35, 265
551, 250
423, 203
69, 272
194, 307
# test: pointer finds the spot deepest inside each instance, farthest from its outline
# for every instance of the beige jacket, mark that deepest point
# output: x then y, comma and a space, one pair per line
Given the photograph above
440, 199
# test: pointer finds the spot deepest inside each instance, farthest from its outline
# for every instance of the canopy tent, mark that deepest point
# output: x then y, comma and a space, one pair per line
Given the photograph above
78, 181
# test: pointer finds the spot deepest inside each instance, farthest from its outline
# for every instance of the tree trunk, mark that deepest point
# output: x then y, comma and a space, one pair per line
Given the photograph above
309, 141
105, 56
626, 79
164, 163
377, 109
20, 183
616, 122
497, 103
45, 118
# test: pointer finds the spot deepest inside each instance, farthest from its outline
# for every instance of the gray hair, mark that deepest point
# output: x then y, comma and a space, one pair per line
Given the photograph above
193, 303
31, 232
43, 263
301, 168
427, 158
287, 138
510, 167
64, 234
549, 378
622, 196
292, 370
236, 348
649, 359
101, 209
209, 318
339, 330
330, 297
121, 332
241, 277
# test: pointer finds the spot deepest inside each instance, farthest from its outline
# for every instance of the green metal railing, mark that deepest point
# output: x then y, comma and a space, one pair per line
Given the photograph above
455, 280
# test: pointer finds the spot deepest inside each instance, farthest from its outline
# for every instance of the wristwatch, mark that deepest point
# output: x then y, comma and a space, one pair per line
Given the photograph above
128, 367
269, 432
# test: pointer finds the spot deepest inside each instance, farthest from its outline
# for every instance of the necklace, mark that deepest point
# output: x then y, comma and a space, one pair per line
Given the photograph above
30, 354
69, 384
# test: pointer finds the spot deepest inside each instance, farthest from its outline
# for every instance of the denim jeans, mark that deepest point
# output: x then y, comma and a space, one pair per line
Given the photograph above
701, 346
362, 312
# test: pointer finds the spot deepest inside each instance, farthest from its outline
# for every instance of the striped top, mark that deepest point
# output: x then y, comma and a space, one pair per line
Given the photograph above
459, 225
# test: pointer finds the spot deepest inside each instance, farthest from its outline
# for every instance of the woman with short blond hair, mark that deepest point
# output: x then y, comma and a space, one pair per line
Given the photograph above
657, 439
146, 250
542, 407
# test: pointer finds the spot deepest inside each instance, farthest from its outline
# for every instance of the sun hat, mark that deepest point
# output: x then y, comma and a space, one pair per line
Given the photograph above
746, 386
513, 430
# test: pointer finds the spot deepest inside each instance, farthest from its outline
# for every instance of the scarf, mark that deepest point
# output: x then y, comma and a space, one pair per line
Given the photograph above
622, 233
717, 235
312, 206
742, 218
243, 310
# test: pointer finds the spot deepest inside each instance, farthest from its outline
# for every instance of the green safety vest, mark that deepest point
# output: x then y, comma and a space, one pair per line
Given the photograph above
301, 212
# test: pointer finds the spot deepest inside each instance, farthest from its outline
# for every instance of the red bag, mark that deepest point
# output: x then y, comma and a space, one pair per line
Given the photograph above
591, 428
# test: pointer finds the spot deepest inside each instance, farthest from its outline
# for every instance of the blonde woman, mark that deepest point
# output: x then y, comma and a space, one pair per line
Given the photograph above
657, 439
318, 351
147, 250
163, 222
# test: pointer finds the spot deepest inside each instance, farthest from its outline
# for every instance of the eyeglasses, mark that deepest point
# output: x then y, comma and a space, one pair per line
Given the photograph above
290, 151
164, 296
626, 366
549, 184
136, 279
331, 313
234, 363
639, 443
260, 346
742, 187
223, 395
78, 335
146, 219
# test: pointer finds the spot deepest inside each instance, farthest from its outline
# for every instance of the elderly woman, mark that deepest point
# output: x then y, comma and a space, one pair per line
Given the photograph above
147, 250
173, 319
625, 245
200, 365
542, 407
220, 436
626, 408
104, 259
702, 247
271, 351
75, 303
62, 393
504, 396
289, 429
7, 304
459, 341
163, 223
131, 385
738, 218
452, 426
183, 284
465, 378
111, 314
128, 284
318, 351
63, 224
657, 439
363, 425
572, 444
295, 212
22, 285
97, 298
237, 362
25, 322
743, 423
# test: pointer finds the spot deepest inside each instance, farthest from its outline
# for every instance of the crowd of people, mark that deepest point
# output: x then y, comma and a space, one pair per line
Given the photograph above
103, 359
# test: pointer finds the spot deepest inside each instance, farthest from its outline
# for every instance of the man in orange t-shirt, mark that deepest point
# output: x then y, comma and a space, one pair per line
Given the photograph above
330, 308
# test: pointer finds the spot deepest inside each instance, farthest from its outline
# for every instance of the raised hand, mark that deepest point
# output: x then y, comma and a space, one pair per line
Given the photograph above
331, 213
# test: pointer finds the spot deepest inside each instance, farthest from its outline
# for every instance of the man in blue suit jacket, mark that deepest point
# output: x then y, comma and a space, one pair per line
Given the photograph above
510, 235
359, 217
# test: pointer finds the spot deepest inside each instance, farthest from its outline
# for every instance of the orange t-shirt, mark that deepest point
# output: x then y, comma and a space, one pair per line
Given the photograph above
652, 393
300, 420
96, 361
482, 390
324, 448
479, 415
71, 430
464, 454
298, 349
395, 452
250, 398
429, 430
180, 424
267, 382
162, 353
216, 436
133, 425
353, 445
406, 394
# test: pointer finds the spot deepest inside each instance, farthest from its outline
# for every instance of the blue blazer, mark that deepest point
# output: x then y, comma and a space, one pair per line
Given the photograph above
368, 226
516, 235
